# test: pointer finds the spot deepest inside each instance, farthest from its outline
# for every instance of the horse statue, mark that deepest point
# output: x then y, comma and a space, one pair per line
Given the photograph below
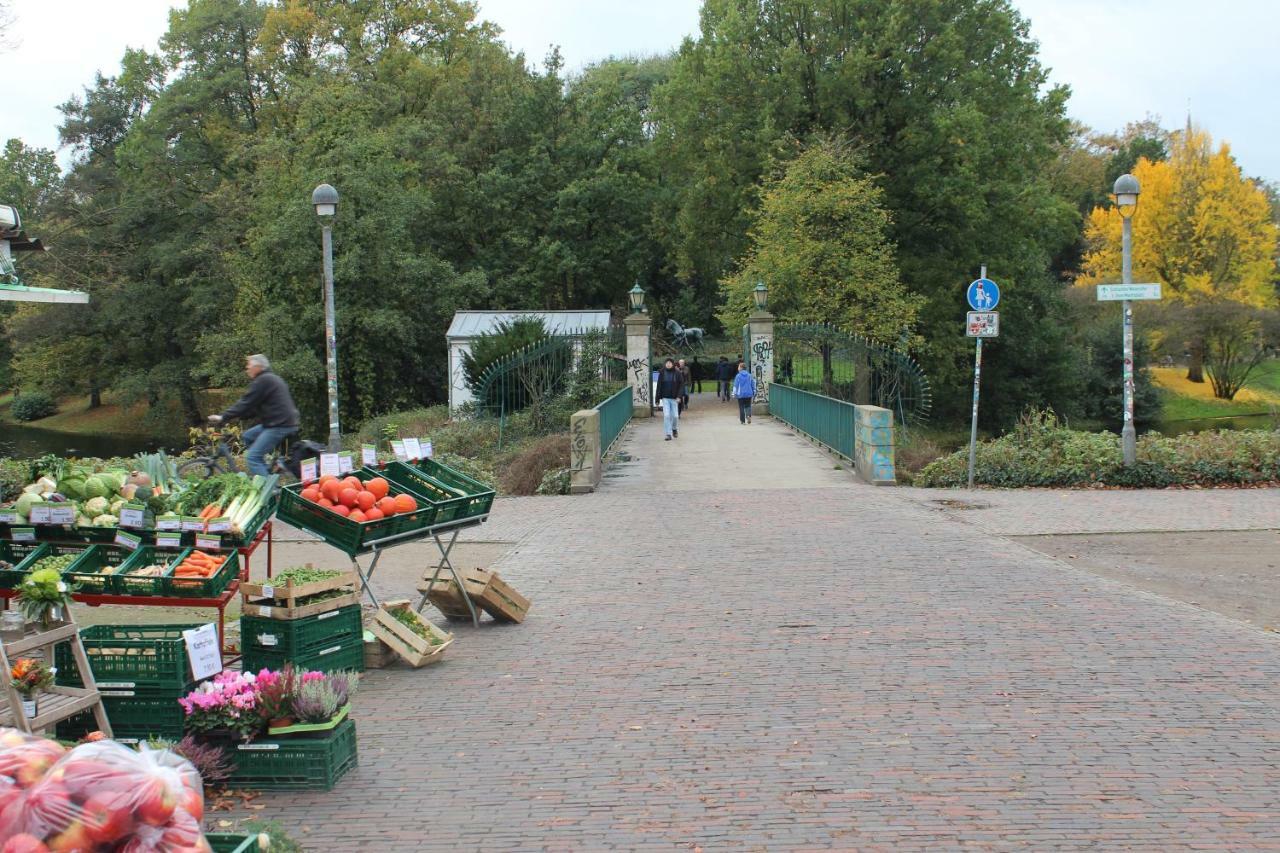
685, 338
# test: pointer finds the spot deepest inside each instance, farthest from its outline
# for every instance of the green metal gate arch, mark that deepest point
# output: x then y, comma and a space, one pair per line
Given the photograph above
824, 359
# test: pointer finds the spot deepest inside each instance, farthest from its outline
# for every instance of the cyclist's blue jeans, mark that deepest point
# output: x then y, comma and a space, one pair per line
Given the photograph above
260, 441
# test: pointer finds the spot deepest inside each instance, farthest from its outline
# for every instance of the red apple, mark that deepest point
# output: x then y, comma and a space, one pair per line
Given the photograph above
182, 831
155, 802
49, 805
108, 816
24, 843
74, 839
191, 802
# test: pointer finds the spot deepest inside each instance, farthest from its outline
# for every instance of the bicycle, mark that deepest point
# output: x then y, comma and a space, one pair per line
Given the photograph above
217, 457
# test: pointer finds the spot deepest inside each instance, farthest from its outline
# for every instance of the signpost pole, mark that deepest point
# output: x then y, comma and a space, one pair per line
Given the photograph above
1128, 434
977, 385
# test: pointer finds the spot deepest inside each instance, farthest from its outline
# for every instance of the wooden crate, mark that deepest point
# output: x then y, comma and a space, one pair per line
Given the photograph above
414, 650
377, 654
274, 601
487, 590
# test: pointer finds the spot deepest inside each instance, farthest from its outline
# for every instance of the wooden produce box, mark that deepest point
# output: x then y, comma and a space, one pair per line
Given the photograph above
413, 649
275, 601
487, 590
377, 654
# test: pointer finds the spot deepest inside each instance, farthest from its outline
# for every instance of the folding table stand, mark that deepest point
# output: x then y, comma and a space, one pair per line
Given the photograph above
377, 546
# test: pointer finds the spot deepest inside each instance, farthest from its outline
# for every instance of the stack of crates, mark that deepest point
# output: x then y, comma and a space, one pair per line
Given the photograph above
328, 642
141, 671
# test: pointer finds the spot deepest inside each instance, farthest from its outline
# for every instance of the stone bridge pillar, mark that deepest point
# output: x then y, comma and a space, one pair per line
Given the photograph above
585, 465
760, 351
639, 367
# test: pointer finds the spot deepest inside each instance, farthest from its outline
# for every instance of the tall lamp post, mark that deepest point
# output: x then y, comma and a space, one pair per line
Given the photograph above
1126, 191
325, 201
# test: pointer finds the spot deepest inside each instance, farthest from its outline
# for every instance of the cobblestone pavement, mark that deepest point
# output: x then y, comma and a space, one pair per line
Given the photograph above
802, 667
1056, 511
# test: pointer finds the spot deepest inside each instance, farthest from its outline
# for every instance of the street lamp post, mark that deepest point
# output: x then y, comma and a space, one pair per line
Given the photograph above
325, 201
1126, 192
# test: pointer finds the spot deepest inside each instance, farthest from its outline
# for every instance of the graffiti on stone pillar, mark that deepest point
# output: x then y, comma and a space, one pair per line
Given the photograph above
580, 444
640, 380
762, 365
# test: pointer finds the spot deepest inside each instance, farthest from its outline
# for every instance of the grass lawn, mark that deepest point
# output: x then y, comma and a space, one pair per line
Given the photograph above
111, 418
1183, 400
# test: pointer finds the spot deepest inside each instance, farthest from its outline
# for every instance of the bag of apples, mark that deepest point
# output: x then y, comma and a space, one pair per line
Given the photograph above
99, 796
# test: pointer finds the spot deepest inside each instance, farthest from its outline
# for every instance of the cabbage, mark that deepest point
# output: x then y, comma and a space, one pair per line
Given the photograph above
72, 487
96, 506
26, 501
95, 487
106, 521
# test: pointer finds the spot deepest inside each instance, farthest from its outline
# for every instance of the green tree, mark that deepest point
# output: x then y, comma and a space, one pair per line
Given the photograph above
819, 239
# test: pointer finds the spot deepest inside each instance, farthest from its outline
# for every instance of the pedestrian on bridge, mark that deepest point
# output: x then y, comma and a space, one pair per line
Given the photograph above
724, 378
670, 391
686, 376
744, 390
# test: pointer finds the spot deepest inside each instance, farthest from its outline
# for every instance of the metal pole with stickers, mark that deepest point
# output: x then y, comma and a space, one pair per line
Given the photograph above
981, 322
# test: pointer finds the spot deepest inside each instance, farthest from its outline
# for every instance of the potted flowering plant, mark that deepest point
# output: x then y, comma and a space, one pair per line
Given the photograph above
44, 596
29, 678
225, 706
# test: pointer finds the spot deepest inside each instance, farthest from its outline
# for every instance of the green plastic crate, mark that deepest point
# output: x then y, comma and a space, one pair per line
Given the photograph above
296, 762
138, 717
21, 555
260, 518
130, 657
126, 582
231, 842
201, 587
456, 496
295, 636
87, 574
345, 654
350, 537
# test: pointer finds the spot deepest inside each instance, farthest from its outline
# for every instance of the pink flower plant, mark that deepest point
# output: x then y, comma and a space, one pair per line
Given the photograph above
241, 704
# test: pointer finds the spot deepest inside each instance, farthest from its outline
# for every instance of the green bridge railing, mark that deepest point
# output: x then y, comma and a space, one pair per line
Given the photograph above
615, 414
826, 420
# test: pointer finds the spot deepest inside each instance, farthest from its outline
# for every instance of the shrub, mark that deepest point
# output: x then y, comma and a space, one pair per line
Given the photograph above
524, 471
1040, 451
32, 406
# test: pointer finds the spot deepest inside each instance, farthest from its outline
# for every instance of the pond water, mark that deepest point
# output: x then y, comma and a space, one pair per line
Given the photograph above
1208, 424
30, 442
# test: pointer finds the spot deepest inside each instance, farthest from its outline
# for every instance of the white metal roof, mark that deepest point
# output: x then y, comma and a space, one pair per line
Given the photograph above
469, 324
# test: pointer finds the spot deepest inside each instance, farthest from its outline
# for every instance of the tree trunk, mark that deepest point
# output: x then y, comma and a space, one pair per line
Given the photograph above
190, 406
1195, 368
95, 397
828, 371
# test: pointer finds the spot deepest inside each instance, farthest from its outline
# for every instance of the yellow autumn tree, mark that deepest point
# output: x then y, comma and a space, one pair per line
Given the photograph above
1201, 229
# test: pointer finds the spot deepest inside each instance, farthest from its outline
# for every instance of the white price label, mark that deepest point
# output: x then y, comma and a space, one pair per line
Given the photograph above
204, 651
368, 455
219, 525
8, 517
23, 534
309, 467
427, 450
264, 611
397, 447
209, 543
168, 524
192, 524
412, 448
329, 464
128, 540
169, 540
62, 514
132, 516
268, 591
39, 514
345, 463
268, 640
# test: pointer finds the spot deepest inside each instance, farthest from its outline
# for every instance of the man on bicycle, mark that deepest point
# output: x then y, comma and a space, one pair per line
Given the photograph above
268, 399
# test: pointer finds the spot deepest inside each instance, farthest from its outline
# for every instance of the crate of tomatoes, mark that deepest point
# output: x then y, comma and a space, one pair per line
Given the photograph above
354, 514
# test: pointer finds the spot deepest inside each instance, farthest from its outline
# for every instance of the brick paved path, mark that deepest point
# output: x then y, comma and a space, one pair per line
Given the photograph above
828, 666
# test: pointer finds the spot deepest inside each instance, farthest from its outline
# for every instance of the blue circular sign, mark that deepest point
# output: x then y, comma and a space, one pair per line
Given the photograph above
983, 295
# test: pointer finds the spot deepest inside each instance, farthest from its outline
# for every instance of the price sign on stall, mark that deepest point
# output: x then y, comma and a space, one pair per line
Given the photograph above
345, 463
128, 540
427, 451
412, 448
330, 465
169, 540
368, 455
193, 523
23, 534
133, 515
204, 651
168, 524
39, 514
62, 514
219, 525
209, 542
309, 467
397, 447
8, 516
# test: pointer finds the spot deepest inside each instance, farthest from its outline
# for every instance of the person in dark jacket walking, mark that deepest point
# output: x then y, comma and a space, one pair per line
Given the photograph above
744, 390
724, 376
670, 391
687, 376
268, 399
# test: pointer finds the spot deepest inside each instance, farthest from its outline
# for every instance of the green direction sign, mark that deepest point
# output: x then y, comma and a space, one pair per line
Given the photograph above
1127, 292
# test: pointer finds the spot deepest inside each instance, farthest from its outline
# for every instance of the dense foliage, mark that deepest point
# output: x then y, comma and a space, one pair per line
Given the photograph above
472, 178
1041, 451
32, 406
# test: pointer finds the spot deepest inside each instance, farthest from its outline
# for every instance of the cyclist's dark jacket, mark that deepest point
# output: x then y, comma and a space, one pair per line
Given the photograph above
269, 400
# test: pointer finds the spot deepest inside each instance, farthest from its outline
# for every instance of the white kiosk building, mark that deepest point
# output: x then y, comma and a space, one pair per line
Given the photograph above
469, 325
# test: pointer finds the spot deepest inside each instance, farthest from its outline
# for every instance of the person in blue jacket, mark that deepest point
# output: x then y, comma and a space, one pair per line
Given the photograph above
744, 389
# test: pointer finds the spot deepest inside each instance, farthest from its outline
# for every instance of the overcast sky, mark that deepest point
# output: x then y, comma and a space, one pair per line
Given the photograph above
1122, 60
